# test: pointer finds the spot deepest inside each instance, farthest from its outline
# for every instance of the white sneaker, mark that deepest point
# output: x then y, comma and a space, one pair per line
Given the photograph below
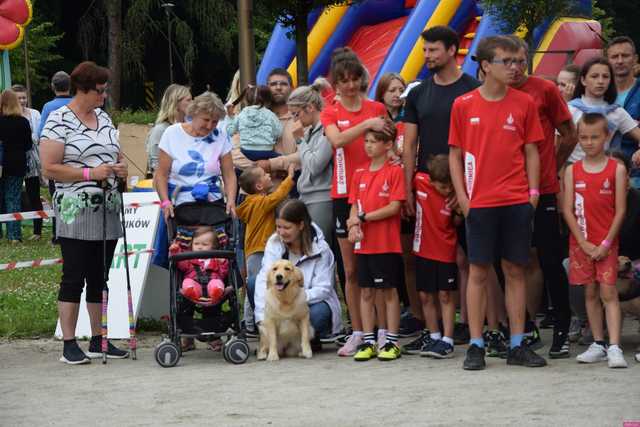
351, 346
615, 357
382, 339
595, 353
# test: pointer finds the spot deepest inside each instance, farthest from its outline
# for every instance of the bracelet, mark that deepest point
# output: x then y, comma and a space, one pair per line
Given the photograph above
606, 243
165, 203
534, 192
86, 174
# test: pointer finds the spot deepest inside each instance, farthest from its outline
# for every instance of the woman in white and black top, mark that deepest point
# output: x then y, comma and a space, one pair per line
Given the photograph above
79, 149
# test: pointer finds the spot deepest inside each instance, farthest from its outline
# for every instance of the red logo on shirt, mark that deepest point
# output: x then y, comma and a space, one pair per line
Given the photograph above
606, 187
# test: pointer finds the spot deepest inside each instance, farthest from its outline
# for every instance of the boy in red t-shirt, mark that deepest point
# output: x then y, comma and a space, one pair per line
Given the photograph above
376, 196
495, 170
434, 244
594, 208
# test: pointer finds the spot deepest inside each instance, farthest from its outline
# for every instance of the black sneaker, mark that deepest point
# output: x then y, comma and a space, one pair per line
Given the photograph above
440, 350
461, 333
548, 321
533, 341
409, 327
251, 333
524, 356
113, 352
415, 346
427, 346
346, 333
496, 344
73, 355
331, 339
474, 360
560, 346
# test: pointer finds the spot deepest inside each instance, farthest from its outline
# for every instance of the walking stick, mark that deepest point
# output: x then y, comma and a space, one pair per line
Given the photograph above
105, 274
132, 323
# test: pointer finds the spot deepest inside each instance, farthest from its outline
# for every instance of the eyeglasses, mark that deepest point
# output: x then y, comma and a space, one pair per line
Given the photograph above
101, 91
279, 83
508, 62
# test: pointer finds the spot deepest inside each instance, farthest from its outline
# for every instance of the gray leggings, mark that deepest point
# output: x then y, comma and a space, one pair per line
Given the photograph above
322, 214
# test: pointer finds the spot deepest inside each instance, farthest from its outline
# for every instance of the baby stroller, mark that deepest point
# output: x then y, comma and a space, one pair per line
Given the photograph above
220, 321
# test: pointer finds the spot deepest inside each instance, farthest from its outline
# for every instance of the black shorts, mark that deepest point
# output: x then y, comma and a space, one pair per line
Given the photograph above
461, 230
380, 271
341, 211
499, 232
433, 276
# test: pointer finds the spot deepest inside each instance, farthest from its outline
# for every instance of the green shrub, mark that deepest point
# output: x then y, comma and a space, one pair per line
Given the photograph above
140, 117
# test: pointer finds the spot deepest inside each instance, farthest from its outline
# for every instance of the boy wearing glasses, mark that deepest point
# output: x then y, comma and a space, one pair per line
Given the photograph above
495, 170
554, 115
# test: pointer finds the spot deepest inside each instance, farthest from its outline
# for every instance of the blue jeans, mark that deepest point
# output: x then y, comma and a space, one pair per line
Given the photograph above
255, 155
10, 191
319, 313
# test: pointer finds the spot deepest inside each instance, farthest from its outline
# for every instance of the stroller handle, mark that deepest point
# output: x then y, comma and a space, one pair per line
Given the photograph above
202, 255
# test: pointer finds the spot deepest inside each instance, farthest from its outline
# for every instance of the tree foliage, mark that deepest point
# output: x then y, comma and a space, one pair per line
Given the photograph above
42, 54
197, 27
606, 20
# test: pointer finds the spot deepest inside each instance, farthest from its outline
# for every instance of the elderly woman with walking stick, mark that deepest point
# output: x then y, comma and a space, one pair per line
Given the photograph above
79, 149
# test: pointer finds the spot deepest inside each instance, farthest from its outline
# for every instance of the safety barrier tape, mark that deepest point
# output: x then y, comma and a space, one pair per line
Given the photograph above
22, 216
46, 262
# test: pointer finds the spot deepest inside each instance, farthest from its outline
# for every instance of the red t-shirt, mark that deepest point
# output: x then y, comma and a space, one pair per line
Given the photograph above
492, 135
594, 201
399, 136
435, 235
370, 191
553, 111
348, 158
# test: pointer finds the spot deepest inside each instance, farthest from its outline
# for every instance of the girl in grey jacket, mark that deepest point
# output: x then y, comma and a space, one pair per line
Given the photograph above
314, 183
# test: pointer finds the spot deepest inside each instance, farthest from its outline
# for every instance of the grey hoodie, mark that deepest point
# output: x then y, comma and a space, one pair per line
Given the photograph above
314, 183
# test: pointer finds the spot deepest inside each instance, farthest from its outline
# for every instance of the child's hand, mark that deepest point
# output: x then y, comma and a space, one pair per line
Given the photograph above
355, 234
291, 170
588, 248
353, 221
600, 252
297, 130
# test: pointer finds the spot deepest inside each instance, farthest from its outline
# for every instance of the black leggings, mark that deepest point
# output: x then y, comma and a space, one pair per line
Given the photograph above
548, 242
32, 187
83, 262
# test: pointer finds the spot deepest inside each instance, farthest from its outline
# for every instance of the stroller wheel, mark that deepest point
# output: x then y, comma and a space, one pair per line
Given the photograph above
167, 354
236, 351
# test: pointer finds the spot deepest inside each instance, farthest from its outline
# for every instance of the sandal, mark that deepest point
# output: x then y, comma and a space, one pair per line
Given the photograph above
215, 345
187, 344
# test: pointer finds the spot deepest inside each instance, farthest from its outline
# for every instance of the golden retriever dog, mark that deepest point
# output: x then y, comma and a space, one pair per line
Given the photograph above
286, 329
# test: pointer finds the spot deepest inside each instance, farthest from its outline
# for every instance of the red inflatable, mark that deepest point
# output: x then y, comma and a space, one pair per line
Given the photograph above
15, 15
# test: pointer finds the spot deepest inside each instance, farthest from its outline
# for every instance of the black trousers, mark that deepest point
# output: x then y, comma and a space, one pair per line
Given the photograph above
549, 243
83, 262
32, 188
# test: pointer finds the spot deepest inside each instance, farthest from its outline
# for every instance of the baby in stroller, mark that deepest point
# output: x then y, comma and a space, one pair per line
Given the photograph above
203, 281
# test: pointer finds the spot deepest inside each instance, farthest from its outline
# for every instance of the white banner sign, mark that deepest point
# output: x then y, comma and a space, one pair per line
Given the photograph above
141, 223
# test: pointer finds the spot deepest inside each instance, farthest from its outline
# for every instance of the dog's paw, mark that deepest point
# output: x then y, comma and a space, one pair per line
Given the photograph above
273, 357
307, 354
261, 355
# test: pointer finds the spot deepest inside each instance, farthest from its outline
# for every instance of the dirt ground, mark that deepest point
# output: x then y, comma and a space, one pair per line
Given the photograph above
203, 389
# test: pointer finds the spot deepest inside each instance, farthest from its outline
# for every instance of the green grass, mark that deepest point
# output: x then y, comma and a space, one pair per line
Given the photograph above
28, 296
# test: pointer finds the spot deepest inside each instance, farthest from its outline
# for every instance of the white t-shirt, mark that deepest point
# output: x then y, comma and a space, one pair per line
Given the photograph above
195, 159
619, 121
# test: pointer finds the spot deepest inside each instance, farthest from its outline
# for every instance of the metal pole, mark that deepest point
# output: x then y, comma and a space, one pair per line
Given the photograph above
27, 79
167, 9
246, 43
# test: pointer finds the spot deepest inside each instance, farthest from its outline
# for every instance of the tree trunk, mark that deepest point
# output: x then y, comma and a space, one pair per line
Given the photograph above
114, 16
532, 51
301, 48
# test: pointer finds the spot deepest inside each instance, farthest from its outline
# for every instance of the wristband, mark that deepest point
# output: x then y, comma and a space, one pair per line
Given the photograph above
361, 216
86, 174
534, 192
165, 203
606, 243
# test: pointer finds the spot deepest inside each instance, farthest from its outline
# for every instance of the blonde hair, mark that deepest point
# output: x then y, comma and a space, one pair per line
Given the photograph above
234, 90
169, 104
207, 103
307, 95
9, 104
